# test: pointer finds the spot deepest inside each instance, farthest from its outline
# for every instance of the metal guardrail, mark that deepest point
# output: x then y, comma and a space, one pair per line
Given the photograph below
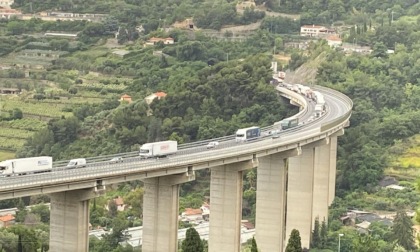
341, 119
105, 169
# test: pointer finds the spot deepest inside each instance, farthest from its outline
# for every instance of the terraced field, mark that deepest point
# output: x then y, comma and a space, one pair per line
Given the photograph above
10, 143
28, 124
6, 155
406, 165
13, 134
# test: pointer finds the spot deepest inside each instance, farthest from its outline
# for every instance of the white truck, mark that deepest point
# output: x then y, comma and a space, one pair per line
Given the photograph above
24, 166
319, 109
158, 149
78, 162
246, 134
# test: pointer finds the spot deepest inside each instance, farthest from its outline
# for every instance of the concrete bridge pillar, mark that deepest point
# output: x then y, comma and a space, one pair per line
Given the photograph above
308, 191
300, 195
321, 195
69, 221
226, 206
160, 212
271, 201
333, 168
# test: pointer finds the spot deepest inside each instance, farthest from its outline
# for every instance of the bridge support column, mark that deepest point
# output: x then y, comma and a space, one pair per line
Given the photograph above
69, 220
321, 190
333, 169
160, 212
271, 201
226, 206
300, 195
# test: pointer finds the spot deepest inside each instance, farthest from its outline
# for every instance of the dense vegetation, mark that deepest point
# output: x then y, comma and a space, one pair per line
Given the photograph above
385, 91
203, 102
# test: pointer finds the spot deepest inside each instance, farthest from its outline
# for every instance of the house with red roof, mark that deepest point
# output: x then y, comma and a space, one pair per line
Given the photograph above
7, 220
120, 204
159, 95
126, 98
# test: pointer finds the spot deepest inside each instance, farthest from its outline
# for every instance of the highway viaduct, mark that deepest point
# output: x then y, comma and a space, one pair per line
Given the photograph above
295, 185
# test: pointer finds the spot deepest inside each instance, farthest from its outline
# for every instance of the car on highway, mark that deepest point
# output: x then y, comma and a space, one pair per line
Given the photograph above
275, 135
311, 119
116, 160
212, 145
77, 162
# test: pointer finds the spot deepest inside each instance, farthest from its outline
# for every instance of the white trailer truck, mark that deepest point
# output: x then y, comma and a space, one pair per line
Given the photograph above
23, 166
319, 109
158, 149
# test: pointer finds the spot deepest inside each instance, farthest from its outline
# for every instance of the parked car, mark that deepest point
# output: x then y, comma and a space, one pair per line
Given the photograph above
116, 160
212, 145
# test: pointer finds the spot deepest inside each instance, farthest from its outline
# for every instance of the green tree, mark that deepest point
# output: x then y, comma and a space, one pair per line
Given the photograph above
16, 114
22, 212
294, 244
379, 50
192, 242
254, 247
205, 245
73, 90
402, 230
316, 238
112, 209
8, 241
135, 200
324, 234
27, 238
365, 243
42, 211
16, 27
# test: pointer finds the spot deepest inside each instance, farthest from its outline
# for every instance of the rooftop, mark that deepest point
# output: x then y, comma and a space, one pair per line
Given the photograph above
7, 218
160, 94
119, 201
192, 211
333, 38
313, 26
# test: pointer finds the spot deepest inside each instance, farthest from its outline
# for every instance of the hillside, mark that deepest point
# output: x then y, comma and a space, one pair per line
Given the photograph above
69, 104
307, 72
405, 159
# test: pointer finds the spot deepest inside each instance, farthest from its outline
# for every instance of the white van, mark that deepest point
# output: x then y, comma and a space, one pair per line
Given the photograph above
77, 162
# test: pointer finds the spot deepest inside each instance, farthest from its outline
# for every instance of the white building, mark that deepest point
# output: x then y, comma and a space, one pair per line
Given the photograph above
6, 3
315, 31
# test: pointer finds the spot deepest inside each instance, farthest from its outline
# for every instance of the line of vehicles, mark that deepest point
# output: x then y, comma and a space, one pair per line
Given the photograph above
32, 165
312, 95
